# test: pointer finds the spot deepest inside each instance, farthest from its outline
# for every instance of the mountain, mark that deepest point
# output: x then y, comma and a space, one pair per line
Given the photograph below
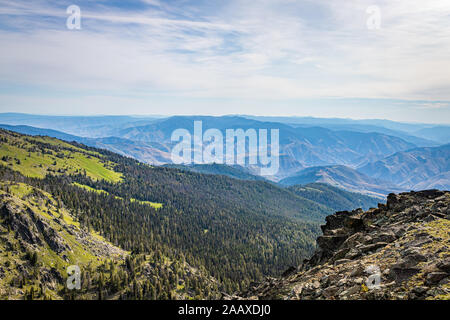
83, 126
33, 131
397, 251
415, 169
342, 177
408, 132
436, 133
319, 122
236, 172
299, 147
440, 181
375, 155
146, 152
152, 152
207, 222
143, 232
366, 128
48, 240
334, 198
149, 140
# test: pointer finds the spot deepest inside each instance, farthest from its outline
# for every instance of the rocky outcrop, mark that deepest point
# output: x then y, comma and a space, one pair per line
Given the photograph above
30, 227
39, 240
400, 250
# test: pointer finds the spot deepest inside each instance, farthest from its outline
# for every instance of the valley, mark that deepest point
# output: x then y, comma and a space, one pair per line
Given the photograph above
141, 230
202, 159
210, 222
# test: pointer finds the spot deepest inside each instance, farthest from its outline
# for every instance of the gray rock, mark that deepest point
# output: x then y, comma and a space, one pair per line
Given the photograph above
384, 237
372, 247
341, 261
400, 272
330, 292
419, 291
435, 277
358, 271
444, 265
353, 253
353, 290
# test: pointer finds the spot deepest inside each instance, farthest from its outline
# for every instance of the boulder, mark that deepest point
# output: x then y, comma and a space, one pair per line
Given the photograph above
435, 277
444, 265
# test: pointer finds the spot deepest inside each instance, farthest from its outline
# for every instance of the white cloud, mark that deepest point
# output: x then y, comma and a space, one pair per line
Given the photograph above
433, 105
266, 50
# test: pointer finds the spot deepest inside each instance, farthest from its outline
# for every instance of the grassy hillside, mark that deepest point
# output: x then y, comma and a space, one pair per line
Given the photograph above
39, 156
152, 204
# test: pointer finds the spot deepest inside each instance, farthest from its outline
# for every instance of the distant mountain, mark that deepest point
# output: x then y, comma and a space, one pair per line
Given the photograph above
342, 177
343, 142
366, 128
440, 181
323, 122
410, 132
334, 198
436, 133
33, 131
146, 152
83, 126
416, 169
152, 153
299, 147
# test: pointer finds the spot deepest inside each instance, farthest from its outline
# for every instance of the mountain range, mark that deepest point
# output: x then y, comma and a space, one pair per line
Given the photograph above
140, 231
374, 157
342, 177
144, 231
416, 169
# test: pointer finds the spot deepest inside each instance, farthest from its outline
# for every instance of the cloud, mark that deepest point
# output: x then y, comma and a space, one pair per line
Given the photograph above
433, 105
236, 49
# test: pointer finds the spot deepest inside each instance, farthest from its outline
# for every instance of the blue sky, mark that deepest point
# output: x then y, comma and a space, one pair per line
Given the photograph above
263, 57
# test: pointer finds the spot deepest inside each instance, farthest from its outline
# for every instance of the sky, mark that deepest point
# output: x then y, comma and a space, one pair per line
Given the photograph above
384, 59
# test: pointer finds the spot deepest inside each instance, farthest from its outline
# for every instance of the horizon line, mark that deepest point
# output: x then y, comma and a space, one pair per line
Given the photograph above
162, 116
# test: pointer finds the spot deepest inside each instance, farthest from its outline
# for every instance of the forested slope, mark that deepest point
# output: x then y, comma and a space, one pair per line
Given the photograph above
235, 231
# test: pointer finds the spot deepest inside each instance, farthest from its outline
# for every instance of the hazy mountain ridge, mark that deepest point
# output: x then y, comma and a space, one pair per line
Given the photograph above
333, 197
342, 177
299, 147
366, 128
83, 126
153, 153
436, 133
419, 168
375, 148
